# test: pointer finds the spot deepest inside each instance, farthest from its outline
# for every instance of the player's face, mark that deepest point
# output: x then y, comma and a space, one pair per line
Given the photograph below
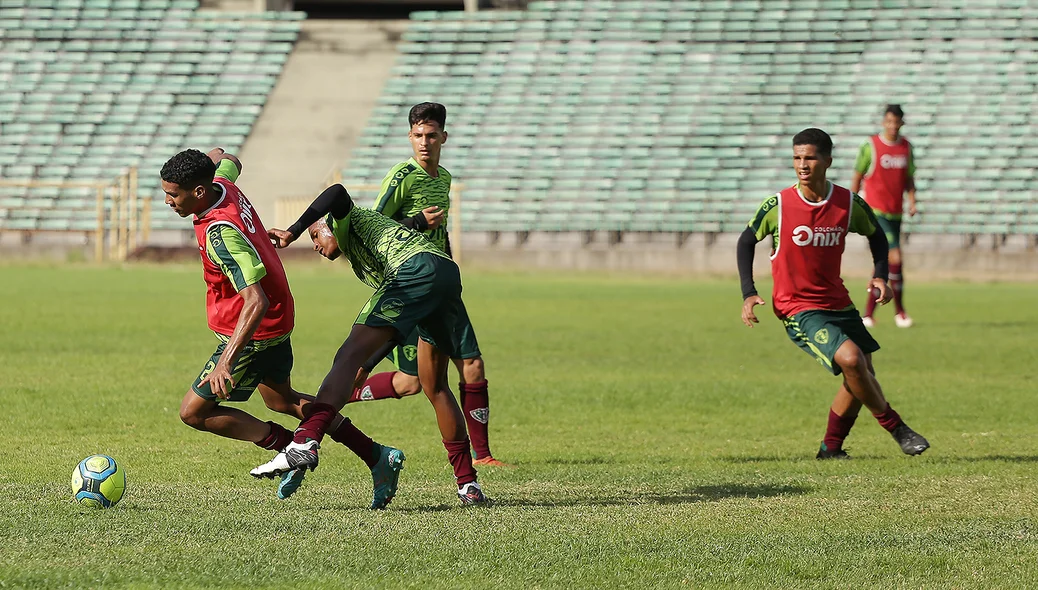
892, 125
324, 240
183, 201
426, 139
809, 165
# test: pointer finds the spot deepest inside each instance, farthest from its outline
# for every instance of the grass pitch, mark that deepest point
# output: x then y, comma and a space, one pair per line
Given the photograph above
659, 443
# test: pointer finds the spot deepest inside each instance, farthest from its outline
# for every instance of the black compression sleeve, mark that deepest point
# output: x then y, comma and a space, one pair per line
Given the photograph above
417, 222
879, 247
744, 251
334, 200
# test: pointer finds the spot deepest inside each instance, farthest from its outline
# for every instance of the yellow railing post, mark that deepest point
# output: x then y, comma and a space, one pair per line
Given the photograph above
134, 209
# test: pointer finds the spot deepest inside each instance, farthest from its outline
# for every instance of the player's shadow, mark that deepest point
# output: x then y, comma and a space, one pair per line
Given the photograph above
988, 458
693, 495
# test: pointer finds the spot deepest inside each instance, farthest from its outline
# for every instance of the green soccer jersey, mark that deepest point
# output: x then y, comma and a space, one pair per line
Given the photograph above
408, 188
376, 245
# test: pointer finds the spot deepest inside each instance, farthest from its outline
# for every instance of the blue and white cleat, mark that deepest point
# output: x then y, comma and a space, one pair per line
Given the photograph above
290, 482
385, 475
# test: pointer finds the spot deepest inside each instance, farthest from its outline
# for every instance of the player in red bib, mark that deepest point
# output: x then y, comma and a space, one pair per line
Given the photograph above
809, 224
251, 311
886, 163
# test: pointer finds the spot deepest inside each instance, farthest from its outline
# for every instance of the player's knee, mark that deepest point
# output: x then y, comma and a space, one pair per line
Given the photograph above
473, 370
404, 384
193, 417
850, 358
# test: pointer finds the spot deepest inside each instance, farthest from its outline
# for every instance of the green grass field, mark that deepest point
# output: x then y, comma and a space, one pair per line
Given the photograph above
659, 444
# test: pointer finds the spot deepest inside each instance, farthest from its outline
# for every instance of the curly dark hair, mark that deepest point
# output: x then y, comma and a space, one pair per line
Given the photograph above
816, 137
428, 111
188, 169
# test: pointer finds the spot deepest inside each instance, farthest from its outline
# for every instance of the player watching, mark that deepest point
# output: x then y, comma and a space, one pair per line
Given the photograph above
417, 286
808, 224
416, 193
251, 311
886, 163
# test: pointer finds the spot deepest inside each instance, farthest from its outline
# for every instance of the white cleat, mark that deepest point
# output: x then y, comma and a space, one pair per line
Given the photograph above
902, 320
295, 456
868, 321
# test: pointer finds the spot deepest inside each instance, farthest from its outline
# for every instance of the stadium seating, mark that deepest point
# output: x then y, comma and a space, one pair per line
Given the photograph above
676, 115
90, 87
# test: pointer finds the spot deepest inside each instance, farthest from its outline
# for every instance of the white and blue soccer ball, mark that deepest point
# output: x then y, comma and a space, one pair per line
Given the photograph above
98, 482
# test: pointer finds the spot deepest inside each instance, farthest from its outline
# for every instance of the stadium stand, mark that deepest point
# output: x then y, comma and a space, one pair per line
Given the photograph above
649, 115
91, 87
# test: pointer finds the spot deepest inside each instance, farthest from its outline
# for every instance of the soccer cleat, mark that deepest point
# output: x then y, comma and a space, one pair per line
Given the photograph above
290, 482
490, 462
825, 453
868, 322
911, 442
902, 320
385, 475
295, 456
471, 494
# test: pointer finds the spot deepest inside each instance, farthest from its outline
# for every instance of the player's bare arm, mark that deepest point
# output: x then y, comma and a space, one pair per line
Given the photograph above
217, 154
856, 182
910, 189
221, 380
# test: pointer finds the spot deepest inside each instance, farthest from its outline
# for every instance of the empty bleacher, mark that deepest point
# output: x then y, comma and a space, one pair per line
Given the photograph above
650, 115
91, 87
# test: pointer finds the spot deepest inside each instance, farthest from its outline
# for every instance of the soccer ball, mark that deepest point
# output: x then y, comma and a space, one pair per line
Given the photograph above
98, 482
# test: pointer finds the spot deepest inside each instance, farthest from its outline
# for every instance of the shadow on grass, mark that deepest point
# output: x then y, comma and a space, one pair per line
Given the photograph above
692, 495
578, 461
987, 458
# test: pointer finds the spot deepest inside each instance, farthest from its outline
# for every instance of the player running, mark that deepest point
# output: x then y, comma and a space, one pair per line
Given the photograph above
416, 193
808, 224
252, 313
416, 285
886, 163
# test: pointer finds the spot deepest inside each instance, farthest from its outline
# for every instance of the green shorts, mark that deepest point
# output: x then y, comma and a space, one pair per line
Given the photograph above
891, 226
821, 332
260, 360
425, 294
405, 356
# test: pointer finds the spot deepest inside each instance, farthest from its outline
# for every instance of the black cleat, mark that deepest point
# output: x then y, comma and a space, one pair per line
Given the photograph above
911, 442
825, 453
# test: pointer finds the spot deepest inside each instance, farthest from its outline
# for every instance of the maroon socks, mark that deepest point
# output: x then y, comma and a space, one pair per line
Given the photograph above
889, 419
316, 424
870, 304
357, 441
476, 404
278, 438
378, 386
897, 283
837, 430
460, 457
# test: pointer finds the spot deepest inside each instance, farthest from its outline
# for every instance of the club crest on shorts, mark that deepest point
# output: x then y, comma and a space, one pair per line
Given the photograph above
822, 336
410, 352
480, 415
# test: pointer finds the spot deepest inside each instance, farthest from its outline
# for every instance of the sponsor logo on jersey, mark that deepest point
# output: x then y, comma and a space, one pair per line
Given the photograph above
390, 309
480, 415
819, 236
246, 213
822, 336
893, 161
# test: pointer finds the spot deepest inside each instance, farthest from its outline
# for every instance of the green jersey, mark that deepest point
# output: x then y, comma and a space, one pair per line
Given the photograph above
376, 245
408, 188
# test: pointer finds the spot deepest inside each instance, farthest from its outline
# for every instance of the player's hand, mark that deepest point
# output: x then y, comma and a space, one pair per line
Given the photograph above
362, 376
881, 291
221, 383
280, 238
748, 317
216, 154
912, 210
433, 216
